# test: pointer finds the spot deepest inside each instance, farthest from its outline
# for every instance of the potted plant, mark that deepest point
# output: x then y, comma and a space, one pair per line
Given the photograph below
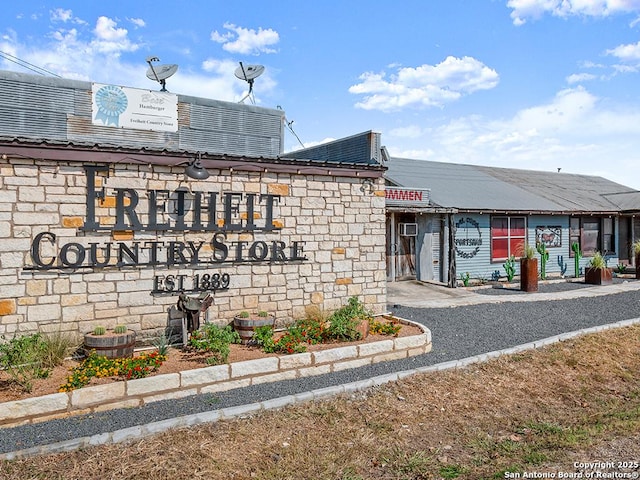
597, 272
116, 343
245, 323
529, 270
636, 254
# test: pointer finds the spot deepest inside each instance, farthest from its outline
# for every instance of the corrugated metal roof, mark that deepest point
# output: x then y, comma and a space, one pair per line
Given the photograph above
58, 109
471, 187
362, 148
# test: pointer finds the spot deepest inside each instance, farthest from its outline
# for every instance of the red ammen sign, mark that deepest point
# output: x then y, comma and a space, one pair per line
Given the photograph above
407, 196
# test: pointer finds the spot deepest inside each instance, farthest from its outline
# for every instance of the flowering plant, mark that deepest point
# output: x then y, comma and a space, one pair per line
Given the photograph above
102, 367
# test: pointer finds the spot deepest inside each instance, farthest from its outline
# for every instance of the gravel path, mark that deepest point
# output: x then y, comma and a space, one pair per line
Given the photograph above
458, 332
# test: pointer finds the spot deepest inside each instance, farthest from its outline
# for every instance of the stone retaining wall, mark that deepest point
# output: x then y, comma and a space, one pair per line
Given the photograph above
135, 393
339, 226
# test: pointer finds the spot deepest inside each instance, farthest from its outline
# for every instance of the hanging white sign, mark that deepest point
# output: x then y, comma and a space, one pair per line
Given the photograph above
123, 107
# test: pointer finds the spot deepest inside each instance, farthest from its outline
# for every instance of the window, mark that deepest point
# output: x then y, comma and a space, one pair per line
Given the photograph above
508, 237
593, 234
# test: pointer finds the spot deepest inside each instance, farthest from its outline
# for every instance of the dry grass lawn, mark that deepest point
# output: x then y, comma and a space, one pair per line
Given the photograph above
540, 411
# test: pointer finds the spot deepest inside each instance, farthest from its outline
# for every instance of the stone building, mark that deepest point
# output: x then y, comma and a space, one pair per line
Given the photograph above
113, 200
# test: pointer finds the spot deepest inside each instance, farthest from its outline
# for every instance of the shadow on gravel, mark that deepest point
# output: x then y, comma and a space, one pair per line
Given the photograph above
544, 287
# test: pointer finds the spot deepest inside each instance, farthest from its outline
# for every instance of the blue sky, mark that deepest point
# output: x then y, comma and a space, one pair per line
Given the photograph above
533, 84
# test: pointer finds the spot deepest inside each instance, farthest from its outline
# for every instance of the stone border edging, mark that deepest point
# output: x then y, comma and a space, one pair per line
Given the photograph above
141, 431
213, 379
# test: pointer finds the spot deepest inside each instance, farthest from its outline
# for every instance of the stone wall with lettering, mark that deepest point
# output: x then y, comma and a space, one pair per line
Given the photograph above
81, 248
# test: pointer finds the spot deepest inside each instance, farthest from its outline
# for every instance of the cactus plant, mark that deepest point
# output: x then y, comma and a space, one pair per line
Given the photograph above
510, 267
244, 314
120, 329
577, 255
262, 313
544, 257
99, 330
563, 265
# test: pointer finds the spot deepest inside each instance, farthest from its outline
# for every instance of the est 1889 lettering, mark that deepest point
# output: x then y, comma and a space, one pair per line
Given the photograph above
205, 282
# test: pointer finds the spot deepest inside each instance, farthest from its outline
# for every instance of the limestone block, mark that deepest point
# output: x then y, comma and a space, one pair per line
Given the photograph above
374, 348
359, 362
204, 376
335, 354
77, 313
32, 218
15, 245
12, 260
61, 285
387, 357
88, 396
7, 307
410, 342
157, 383
134, 299
296, 360
36, 288
254, 367
35, 406
5, 229
8, 196
43, 313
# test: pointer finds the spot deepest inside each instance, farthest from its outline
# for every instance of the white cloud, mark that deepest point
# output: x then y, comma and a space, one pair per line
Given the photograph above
580, 77
111, 39
534, 9
626, 53
138, 22
424, 86
574, 131
61, 15
246, 41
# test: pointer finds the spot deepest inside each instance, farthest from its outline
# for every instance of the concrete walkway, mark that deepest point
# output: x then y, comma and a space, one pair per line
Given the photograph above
412, 293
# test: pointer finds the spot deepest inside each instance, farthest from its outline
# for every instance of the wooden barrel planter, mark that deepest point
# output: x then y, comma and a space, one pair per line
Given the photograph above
110, 344
246, 326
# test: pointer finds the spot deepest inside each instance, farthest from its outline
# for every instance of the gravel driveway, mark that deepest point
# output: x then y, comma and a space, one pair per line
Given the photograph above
458, 332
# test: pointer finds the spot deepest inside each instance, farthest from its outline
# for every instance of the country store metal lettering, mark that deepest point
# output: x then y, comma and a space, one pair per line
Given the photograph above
167, 211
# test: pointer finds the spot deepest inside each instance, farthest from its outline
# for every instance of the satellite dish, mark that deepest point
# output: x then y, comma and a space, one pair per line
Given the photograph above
160, 73
248, 73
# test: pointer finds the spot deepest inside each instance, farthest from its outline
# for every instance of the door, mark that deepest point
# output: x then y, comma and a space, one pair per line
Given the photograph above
405, 256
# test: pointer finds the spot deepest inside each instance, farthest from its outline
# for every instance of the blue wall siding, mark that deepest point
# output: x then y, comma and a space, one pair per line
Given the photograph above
478, 264
475, 257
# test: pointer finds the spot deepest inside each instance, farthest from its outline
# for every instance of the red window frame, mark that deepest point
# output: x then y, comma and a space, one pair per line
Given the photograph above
508, 237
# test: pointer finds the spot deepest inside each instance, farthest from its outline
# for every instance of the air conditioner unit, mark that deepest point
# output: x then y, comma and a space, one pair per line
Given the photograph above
408, 229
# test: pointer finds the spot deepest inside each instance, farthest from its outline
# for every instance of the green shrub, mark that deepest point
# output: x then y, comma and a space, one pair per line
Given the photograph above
56, 347
215, 341
162, 345
21, 358
343, 323
598, 261
263, 337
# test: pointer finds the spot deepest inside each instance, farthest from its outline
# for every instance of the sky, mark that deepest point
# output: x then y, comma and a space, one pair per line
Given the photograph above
529, 84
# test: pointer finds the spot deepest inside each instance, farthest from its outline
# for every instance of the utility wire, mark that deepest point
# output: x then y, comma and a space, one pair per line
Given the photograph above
27, 65
290, 127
